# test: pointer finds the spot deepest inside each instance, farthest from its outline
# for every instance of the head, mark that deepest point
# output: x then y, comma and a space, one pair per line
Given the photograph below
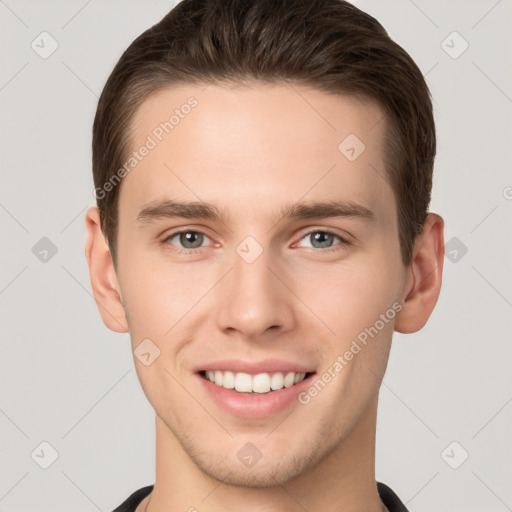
263, 173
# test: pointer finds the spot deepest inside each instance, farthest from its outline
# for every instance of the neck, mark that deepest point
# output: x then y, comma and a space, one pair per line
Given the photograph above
343, 480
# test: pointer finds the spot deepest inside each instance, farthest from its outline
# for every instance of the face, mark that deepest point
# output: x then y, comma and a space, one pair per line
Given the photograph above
257, 291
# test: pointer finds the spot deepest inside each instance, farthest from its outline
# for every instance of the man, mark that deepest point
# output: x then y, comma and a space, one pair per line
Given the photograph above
263, 173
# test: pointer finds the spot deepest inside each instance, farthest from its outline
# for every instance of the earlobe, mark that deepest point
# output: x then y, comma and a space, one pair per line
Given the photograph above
102, 274
425, 277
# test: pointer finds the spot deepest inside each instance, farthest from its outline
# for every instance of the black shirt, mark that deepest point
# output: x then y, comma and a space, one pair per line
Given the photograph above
388, 497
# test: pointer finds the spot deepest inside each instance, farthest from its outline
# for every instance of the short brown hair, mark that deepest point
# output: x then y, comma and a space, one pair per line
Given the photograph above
330, 45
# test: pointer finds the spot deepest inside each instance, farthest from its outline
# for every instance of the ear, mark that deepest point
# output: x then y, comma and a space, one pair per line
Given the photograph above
424, 277
105, 286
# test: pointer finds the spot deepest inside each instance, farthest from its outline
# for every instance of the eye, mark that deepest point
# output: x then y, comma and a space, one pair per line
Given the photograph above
323, 239
188, 238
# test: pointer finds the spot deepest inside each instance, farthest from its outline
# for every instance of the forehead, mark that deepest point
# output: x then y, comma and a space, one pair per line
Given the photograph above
255, 145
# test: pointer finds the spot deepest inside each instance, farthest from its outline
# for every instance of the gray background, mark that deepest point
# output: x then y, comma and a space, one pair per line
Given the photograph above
68, 381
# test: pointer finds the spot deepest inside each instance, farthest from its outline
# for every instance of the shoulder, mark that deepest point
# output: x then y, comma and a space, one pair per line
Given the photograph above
390, 499
131, 503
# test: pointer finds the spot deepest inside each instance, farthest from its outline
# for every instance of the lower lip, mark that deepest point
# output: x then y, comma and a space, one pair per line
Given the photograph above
254, 405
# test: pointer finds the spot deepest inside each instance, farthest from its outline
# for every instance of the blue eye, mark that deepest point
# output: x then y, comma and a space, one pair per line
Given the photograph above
189, 239
323, 239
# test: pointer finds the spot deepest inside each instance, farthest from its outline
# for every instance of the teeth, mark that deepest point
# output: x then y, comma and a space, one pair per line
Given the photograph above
276, 382
260, 383
289, 380
228, 380
243, 382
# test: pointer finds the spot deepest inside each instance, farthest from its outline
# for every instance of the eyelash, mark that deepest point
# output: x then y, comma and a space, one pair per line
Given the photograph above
343, 241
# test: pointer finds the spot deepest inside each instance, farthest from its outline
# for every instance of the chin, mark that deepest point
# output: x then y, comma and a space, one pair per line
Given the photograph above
263, 474
269, 463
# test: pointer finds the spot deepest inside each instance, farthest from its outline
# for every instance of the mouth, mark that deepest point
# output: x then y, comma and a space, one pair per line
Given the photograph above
254, 389
259, 383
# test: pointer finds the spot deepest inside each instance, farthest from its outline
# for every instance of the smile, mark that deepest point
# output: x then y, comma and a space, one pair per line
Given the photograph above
257, 383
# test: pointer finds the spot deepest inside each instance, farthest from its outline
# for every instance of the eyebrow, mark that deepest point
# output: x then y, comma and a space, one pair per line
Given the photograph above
200, 210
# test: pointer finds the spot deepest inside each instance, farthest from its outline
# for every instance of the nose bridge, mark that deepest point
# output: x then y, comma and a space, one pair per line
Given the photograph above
254, 299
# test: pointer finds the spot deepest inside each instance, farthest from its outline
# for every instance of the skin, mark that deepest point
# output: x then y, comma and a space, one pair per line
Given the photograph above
250, 150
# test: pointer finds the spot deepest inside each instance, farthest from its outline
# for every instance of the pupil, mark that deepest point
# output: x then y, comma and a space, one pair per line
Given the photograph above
319, 235
188, 238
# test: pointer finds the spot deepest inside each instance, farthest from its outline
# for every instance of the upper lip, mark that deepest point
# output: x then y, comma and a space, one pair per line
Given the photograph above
255, 367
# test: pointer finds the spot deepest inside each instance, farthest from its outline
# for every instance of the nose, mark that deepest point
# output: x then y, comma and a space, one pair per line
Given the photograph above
255, 298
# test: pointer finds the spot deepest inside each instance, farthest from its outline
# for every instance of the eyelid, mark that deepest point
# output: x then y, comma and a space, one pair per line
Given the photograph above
343, 239
171, 234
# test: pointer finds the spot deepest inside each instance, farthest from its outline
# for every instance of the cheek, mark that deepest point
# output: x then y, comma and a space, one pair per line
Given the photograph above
154, 295
347, 297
